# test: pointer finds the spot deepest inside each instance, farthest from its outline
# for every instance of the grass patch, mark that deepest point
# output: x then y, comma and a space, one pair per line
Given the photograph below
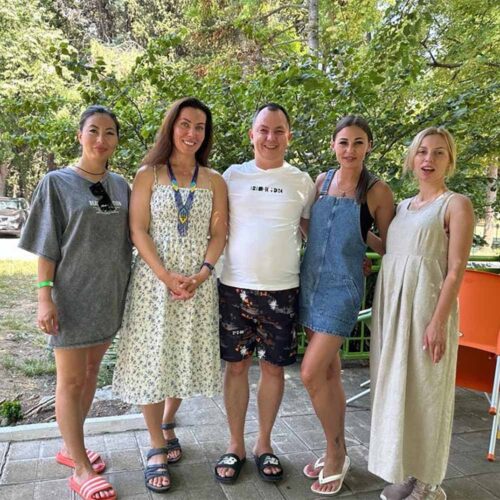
16, 325
9, 362
37, 367
31, 367
17, 282
23, 267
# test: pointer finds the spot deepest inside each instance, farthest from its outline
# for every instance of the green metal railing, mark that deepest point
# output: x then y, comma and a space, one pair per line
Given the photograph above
357, 346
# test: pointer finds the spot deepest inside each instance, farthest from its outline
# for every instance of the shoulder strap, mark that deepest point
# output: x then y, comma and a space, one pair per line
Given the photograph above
444, 205
327, 181
373, 180
155, 175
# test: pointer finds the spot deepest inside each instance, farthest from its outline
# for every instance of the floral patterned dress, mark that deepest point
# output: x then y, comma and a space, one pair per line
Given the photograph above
170, 348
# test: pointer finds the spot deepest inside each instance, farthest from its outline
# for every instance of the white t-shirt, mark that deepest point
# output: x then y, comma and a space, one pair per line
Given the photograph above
265, 208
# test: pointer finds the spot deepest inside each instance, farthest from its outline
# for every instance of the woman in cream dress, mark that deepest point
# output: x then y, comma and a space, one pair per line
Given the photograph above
415, 326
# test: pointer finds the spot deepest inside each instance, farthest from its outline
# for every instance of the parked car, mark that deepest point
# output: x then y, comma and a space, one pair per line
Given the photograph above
13, 215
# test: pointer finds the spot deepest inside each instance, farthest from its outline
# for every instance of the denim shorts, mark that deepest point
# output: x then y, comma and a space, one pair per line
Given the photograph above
258, 321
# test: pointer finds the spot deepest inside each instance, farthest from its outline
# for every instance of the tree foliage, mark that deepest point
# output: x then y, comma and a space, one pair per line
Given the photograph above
403, 64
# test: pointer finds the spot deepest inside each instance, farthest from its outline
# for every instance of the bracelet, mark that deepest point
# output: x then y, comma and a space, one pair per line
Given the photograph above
41, 284
208, 265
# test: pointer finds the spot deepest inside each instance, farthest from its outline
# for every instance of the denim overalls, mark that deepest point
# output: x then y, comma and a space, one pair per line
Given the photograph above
331, 274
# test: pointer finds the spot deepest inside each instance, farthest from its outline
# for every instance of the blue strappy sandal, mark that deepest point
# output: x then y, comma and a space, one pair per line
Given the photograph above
156, 470
172, 444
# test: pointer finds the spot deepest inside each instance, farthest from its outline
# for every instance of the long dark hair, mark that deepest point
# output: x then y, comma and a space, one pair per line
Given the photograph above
164, 144
365, 178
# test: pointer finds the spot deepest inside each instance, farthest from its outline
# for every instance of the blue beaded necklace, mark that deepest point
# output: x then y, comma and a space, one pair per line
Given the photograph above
183, 209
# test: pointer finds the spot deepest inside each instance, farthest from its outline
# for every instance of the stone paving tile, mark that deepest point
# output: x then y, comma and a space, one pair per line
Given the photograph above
269, 491
120, 460
52, 489
287, 443
192, 454
358, 478
468, 441
197, 476
212, 432
490, 482
247, 490
471, 421
369, 495
473, 463
202, 416
209, 492
120, 441
24, 450
452, 472
50, 447
19, 471
252, 427
357, 423
17, 492
213, 450
465, 489
96, 443
128, 483
137, 496
297, 439
49, 469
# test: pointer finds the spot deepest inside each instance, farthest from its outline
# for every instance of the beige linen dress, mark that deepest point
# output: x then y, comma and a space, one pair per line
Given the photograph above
413, 399
170, 348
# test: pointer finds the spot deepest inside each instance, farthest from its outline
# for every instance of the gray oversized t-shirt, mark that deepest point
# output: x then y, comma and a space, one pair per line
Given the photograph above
91, 249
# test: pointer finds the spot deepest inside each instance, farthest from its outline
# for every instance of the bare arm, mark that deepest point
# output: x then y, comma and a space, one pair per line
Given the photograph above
47, 312
375, 243
304, 227
381, 206
139, 217
218, 229
460, 221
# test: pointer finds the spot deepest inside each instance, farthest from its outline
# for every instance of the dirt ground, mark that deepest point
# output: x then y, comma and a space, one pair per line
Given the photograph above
26, 362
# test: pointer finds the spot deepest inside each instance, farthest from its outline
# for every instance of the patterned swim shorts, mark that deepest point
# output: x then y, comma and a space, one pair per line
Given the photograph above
258, 320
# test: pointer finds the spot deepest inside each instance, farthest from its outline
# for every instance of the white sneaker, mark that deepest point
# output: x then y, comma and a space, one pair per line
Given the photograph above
423, 491
398, 491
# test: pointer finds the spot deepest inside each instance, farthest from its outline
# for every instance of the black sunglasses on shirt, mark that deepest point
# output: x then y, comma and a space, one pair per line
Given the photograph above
104, 202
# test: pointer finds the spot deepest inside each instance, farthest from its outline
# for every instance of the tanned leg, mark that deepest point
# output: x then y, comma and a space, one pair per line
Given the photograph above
320, 372
236, 395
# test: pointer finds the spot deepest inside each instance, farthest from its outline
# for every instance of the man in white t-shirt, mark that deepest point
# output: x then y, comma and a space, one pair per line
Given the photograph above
269, 204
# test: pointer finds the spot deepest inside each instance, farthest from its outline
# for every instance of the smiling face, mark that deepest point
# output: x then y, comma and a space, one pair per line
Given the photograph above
98, 138
189, 131
432, 159
270, 135
351, 145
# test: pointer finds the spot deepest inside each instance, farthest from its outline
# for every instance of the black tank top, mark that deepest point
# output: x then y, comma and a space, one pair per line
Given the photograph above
365, 217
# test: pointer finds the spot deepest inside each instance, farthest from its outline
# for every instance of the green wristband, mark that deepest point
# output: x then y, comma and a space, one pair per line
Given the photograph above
41, 284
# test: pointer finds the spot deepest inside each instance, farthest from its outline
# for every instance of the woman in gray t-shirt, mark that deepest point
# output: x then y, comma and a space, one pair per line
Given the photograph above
78, 226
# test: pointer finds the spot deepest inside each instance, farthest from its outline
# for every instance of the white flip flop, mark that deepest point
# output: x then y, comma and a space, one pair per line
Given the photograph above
319, 464
330, 479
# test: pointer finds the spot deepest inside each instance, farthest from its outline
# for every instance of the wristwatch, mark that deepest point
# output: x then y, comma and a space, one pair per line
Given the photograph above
209, 266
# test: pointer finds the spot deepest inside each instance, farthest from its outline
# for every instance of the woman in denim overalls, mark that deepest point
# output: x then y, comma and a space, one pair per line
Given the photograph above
349, 200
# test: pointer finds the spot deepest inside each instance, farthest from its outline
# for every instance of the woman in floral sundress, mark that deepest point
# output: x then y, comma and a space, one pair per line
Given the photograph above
169, 341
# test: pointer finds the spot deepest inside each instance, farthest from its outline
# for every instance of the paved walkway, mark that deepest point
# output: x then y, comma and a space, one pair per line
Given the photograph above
28, 469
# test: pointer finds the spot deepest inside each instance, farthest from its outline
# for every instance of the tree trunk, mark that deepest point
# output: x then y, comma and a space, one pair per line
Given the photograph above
51, 162
491, 196
4, 170
312, 27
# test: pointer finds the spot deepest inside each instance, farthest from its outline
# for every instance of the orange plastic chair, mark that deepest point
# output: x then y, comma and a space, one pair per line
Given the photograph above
478, 365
